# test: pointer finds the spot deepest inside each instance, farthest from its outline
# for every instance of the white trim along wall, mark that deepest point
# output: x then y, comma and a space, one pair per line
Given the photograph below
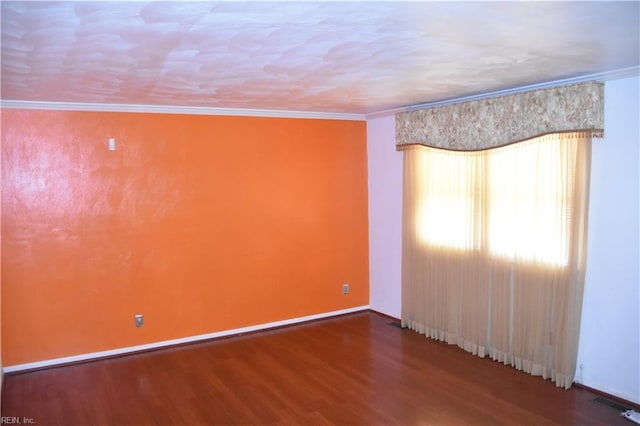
166, 343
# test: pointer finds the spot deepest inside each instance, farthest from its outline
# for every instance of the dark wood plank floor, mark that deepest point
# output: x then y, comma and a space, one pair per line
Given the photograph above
355, 369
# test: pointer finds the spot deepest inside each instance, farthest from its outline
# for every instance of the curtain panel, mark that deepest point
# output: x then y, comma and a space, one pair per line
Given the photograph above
501, 120
496, 265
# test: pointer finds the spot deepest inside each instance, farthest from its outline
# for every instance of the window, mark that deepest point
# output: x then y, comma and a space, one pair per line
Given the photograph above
511, 201
445, 213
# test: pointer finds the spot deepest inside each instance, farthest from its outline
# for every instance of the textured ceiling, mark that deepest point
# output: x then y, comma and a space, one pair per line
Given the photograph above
348, 57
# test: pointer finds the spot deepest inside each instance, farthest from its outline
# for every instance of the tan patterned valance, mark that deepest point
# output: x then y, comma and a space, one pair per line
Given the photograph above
500, 120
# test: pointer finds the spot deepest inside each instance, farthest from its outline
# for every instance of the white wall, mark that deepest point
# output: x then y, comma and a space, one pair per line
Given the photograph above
385, 216
610, 330
610, 333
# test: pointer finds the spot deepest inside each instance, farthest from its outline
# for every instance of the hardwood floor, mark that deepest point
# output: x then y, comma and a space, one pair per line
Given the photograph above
350, 370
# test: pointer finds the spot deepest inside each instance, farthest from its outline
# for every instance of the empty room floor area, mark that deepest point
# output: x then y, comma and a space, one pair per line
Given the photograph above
355, 369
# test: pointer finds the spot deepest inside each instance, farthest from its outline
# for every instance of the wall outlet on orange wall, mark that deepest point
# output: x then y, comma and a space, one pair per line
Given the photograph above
139, 320
345, 288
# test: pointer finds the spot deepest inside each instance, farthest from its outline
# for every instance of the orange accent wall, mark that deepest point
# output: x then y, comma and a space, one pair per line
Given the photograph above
201, 223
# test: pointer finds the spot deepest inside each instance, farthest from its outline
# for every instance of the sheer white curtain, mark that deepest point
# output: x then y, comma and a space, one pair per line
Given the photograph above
494, 250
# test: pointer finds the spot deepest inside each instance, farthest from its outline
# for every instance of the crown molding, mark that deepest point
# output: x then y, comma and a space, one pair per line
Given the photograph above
167, 109
602, 77
274, 113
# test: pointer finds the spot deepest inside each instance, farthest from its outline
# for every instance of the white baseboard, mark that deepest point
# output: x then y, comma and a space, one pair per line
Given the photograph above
387, 312
173, 342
